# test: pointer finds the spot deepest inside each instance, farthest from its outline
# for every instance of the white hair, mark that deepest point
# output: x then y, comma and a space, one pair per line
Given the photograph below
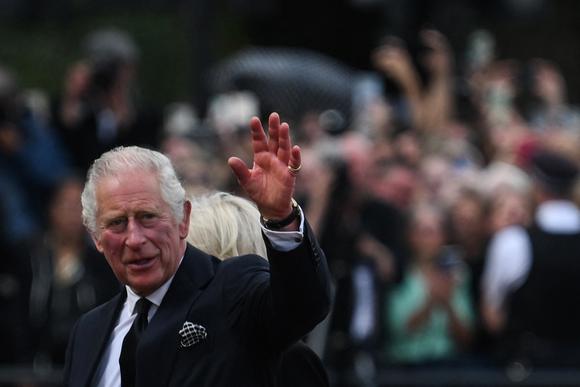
123, 160
225, 226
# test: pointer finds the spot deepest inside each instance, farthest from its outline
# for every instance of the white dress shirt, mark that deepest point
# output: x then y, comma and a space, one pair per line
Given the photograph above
509, 257
109, 373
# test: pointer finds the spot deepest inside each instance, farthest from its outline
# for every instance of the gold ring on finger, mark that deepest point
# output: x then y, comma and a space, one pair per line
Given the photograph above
293, 170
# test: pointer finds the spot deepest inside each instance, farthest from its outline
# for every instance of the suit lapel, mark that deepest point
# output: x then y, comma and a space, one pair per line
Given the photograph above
97, 336
160, 342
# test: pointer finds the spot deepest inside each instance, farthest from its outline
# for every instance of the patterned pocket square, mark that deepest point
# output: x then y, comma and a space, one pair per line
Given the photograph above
192, 334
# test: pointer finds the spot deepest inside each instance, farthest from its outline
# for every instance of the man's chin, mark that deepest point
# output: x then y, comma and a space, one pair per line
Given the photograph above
144, 285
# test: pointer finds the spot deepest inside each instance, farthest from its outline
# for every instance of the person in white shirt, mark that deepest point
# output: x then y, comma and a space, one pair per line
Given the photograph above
531, 273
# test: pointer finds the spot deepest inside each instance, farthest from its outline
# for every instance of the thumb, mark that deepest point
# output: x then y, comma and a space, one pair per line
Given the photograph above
240, 169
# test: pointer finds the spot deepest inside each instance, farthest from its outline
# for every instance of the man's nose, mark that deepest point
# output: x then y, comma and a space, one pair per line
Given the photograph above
135, 236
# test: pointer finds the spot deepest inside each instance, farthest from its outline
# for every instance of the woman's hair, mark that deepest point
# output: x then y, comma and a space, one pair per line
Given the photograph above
225, 226
123, 160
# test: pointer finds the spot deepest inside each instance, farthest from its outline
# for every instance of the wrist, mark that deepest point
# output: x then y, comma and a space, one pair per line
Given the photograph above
278, 224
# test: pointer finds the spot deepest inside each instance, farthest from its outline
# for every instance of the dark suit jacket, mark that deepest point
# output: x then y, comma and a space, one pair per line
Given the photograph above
252, 310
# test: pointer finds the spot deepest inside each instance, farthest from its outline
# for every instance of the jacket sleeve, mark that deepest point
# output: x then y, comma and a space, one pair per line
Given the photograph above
279, 306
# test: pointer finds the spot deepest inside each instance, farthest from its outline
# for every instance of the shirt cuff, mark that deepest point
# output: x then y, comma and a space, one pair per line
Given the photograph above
286, 240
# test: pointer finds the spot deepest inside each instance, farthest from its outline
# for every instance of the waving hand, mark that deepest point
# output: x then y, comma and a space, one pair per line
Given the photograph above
270, 182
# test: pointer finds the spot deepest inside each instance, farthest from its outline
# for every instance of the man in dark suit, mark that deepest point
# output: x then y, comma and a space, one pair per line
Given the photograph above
185, 318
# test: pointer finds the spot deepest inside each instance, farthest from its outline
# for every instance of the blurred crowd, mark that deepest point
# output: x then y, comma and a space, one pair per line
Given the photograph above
413, 187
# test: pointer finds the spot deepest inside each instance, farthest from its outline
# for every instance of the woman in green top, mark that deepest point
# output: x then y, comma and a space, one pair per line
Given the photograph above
429, 314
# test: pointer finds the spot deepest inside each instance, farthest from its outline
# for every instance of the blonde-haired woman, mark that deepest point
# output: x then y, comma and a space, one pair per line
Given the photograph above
226, 226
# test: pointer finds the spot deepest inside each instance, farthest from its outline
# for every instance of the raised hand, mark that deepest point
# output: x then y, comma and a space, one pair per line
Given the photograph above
393, 59
270, 182
439, 58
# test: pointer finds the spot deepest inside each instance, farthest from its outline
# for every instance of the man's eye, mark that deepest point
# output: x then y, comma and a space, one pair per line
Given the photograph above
116, 224
148, 218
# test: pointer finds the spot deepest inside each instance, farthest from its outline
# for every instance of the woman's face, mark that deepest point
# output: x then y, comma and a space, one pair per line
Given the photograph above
427, 235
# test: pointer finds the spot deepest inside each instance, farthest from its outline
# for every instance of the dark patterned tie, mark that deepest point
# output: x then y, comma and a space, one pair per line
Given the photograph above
129, 349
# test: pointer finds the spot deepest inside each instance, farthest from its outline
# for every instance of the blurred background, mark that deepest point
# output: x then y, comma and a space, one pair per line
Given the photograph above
436, 135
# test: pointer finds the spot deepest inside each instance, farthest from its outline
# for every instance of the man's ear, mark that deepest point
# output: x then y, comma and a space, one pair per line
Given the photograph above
97, 242
184, 224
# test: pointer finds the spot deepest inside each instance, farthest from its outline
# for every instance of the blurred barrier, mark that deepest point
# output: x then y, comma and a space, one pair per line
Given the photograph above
459, 377
387, 377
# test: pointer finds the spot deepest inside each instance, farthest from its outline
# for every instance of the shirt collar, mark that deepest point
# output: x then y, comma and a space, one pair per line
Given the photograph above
558, 216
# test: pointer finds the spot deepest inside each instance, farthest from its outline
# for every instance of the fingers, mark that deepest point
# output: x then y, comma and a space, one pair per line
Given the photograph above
284, 144
273, 132
277, 142
295, 157
434, 39
392, 60
259, 141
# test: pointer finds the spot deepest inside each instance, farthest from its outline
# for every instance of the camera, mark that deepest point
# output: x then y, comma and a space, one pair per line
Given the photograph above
449, 261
